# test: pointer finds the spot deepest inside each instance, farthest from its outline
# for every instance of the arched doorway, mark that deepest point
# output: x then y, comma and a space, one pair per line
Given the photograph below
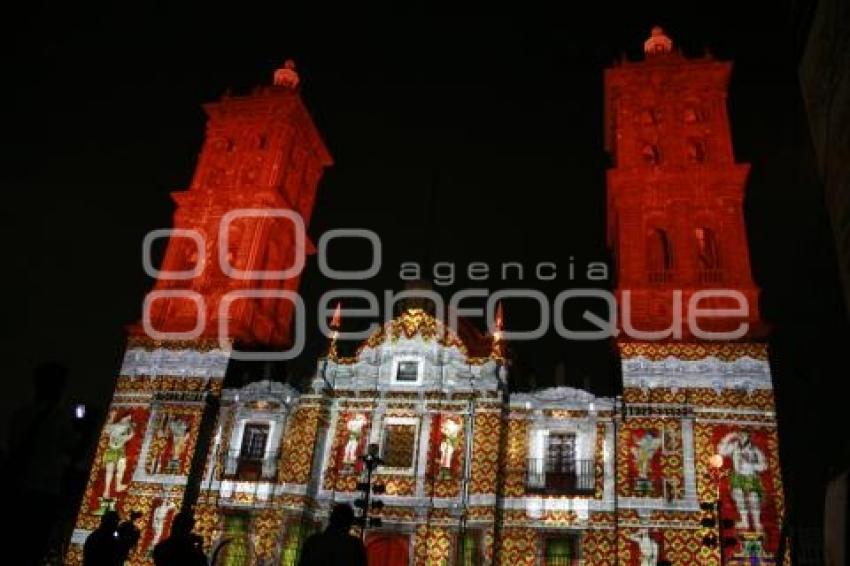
235, 547
387, 549
234, 551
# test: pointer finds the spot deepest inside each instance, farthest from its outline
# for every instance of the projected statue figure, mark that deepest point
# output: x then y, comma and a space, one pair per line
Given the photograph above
115, 457
748, 462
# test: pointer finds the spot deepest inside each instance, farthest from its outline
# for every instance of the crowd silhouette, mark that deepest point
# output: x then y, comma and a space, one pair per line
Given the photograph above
113, 541
335, 546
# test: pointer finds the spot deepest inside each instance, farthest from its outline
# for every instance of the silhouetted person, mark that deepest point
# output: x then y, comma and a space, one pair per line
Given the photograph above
182, 547
38, 444
128, 536
102, 547
335, 546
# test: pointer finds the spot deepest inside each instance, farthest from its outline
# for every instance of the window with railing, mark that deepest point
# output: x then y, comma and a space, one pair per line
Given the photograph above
560, 476
252, 460
254, 440
659, 256
660, 277
251, 466
709, 276
559, 471
708, 256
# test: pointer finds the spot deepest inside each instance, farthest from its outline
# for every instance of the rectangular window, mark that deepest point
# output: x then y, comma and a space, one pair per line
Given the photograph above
252, 453
407, 372
254, 440
398, 446
561, 551
560, 459
555, 467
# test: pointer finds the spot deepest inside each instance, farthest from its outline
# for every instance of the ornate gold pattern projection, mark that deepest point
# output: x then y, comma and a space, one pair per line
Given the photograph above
517, 479
415, 322
691, 351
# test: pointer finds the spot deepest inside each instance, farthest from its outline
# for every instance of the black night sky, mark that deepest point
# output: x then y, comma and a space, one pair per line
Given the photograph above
459, 134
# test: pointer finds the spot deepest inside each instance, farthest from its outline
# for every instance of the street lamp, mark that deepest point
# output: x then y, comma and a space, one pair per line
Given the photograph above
371, 461
716, 462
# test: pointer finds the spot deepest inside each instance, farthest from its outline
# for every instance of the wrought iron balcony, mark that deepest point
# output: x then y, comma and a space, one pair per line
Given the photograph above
709, 276
568, 477
660, 277
250, 467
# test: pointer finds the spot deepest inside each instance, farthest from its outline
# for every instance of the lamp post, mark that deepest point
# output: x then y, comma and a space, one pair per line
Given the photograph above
618, 417
371, 461
716, 464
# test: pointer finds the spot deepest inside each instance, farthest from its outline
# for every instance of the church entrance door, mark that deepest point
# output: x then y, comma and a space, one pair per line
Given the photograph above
387, 549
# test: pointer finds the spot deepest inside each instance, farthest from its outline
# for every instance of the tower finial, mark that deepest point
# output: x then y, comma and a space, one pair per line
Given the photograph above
335, 325
658, 42
497, 350
287, 76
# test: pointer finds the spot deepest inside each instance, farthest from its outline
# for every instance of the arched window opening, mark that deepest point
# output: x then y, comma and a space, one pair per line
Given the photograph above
659, 256
648, 117
708, 255
696, 151
693, 114
650, 154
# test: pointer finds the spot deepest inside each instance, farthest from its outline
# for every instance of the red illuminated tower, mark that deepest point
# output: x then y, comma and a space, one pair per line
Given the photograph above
675, 192
676, 228
254, 184
262, 155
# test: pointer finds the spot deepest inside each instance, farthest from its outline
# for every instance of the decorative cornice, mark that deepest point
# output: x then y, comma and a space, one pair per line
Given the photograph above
147, 343
262, 391
413, 322
743, 372
445, 367
725, 351
177, 363
559, 398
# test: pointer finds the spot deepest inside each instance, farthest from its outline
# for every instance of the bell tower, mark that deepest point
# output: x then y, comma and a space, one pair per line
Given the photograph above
233, 255
676, 229
253, 191
675, 192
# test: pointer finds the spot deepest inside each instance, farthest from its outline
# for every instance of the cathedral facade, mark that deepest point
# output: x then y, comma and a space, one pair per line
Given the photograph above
682, 468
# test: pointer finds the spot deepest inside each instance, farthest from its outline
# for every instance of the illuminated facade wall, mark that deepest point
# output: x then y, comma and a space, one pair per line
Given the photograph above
464, 467
472, 475
676, 229
146, 446
702, 401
